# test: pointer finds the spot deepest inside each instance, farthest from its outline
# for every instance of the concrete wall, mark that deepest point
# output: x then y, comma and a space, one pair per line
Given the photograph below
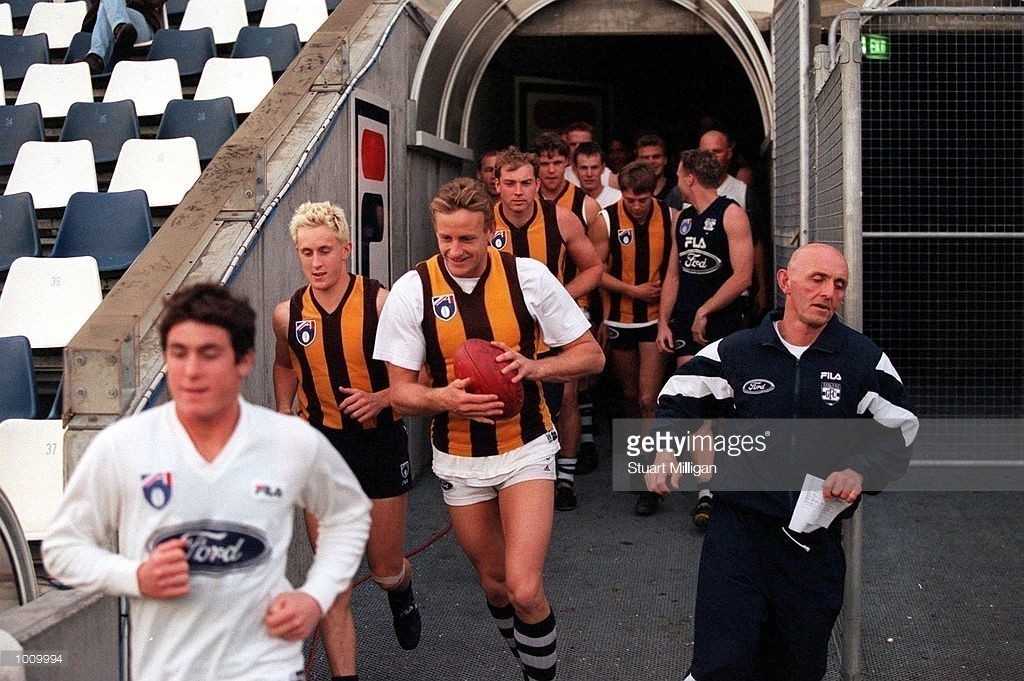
82, 628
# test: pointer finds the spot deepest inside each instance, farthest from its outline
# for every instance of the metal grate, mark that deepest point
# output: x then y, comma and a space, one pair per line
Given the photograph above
790, 18
943, 200
827, 171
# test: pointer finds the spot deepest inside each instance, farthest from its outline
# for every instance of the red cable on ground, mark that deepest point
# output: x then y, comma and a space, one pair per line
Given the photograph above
423, 547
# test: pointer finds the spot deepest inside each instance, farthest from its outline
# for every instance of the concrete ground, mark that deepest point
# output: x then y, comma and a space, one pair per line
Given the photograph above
941, 592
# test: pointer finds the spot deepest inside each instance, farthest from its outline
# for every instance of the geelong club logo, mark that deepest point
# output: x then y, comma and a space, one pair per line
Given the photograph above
305, 331
444, 306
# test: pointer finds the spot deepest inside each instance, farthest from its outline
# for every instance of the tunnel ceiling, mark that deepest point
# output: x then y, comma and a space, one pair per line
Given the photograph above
469, 32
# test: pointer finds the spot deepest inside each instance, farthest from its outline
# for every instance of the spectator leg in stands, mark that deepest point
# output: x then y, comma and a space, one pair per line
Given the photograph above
117, 30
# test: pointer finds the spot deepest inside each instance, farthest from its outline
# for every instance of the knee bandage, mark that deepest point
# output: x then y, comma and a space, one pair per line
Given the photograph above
388, 583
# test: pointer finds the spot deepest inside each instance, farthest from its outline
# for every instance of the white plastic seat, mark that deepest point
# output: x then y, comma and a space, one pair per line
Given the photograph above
32, 471
150, 84
307, 15
166, 169
225, 17
55, 87
246, 81
6, 21
47, 300
52, 171
60, 21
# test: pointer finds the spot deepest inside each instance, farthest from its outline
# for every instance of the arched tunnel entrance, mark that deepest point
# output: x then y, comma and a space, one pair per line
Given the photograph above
494, 74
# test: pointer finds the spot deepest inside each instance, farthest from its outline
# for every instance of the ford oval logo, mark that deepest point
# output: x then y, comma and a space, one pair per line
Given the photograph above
696, 261
758, 386
216, 546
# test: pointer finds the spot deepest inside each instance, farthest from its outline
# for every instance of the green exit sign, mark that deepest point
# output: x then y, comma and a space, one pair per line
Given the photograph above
874, 46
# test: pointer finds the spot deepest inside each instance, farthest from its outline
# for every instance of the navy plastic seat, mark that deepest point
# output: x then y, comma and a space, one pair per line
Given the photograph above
79, 47
112, 227
106, 124
191, 49
57, 408
19, 124
280, 44
252, 6
209, 121
332, 5
175, 8
19, 235
18, 388
20, 9
18, 52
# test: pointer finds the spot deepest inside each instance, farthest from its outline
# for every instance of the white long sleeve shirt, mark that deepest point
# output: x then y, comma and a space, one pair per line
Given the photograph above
141, 481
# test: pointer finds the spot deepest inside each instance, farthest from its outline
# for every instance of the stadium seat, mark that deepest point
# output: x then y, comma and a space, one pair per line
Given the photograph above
225, 17
60, 21
18, 387
32, 471
56, 87
106, 124
19, 124
175, 8
279, 44
112, 227
47, 300
20, 9
52, 171
253, 6
190, 49
19, 234
79, 47
165, 168
209, 121
307, 15
150, 84
246, 81
332, 5
19, 52
57, 408
6, 20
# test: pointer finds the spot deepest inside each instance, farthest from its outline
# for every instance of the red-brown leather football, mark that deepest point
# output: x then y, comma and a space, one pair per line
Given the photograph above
475, 360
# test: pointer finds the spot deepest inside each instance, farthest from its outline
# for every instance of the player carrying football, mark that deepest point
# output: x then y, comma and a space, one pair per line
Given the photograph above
497, 475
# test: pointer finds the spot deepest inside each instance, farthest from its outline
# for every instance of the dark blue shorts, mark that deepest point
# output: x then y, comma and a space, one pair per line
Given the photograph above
379, 458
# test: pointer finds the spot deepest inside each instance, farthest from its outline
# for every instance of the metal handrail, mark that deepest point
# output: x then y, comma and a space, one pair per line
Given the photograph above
18, 552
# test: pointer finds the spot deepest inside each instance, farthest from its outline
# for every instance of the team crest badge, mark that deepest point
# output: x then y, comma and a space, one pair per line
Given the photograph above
156, 487
444, 306
685, 225
305, 331
404, 470
499, 239
625, 236
709, 224
830, 392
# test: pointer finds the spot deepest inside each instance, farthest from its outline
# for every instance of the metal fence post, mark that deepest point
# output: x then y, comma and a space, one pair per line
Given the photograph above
853, 313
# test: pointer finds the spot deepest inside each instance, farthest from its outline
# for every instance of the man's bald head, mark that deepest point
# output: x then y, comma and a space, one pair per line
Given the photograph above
719, 144
816, 255
814, 283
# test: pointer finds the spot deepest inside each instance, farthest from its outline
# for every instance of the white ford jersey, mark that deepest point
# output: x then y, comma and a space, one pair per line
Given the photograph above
142, 482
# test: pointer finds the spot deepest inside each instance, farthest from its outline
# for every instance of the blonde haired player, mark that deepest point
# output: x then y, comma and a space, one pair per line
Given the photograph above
324, 370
